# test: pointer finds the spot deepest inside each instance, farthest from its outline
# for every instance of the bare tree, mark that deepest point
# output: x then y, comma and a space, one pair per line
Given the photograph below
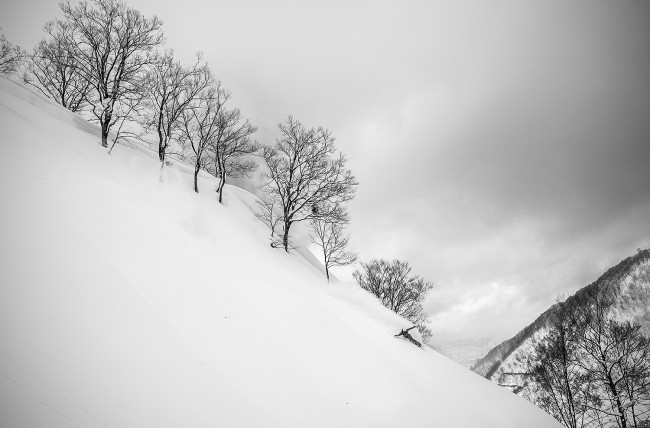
592, 369
269, 213
556, 381
200, 125
125, 116
403, 293
54, 70
173, 87
112, 44
603, 342
304, 175
11, 56
230, 149
631, 365
329, 234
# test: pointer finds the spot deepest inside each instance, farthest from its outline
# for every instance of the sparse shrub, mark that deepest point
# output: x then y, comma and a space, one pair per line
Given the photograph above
11, 56
399, 290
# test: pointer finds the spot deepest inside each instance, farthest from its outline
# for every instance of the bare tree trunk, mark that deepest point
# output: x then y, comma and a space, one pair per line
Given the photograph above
105, 123
567, 384
161, 139
197, 168
161, 153
285, 235
619, 405
327, 270
222, 182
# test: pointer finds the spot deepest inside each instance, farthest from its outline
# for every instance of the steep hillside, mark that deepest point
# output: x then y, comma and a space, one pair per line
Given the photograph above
131, 301
631, 277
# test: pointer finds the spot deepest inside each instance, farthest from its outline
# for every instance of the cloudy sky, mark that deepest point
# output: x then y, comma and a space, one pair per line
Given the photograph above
502, 148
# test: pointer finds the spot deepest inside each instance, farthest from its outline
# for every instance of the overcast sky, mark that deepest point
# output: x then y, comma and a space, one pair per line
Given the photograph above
502, 148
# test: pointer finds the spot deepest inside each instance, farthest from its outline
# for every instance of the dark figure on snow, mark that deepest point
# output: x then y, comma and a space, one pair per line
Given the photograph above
406, 334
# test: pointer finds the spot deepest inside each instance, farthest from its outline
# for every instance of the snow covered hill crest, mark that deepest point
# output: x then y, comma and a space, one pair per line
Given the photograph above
127, 301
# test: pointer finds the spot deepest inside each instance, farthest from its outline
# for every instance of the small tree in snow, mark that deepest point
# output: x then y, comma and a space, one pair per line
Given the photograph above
329, 234
269, 213
392, 283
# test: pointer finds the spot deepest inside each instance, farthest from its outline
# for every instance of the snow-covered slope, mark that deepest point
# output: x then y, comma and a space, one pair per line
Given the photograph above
131, 302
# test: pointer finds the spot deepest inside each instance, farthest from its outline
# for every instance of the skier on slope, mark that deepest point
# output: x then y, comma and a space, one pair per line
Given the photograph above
408, 336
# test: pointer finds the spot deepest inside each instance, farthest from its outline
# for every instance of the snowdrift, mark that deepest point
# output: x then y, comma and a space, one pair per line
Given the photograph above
131, 302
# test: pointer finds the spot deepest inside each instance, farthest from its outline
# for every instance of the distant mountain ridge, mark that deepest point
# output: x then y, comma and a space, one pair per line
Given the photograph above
505, 363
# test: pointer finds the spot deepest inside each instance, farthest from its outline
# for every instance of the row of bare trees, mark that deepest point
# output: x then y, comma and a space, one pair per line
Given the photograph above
592, 369
95, 59
103, 61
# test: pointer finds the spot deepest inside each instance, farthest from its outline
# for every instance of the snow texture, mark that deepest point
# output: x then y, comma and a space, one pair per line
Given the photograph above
127, 301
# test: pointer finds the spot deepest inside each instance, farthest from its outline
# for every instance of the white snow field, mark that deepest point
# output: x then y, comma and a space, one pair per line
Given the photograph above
127, 301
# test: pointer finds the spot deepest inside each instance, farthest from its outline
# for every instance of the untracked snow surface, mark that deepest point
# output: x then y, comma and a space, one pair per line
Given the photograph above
127, 301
